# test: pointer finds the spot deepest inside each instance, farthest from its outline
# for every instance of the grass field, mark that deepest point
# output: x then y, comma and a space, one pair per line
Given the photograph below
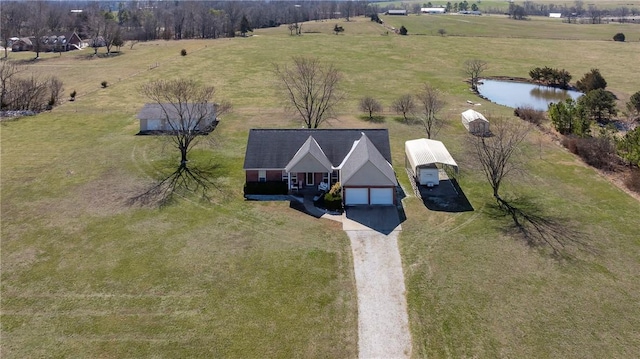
504, 5
86, 275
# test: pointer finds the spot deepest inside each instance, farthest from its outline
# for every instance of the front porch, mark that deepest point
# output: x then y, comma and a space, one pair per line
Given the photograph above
308, 191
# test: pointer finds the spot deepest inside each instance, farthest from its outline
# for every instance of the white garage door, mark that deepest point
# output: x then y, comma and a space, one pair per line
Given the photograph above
356, 196
381, 195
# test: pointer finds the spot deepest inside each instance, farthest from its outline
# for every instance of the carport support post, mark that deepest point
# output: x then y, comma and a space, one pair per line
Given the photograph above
288, 182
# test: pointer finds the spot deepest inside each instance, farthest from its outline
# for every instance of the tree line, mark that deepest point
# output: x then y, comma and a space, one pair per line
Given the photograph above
153, 20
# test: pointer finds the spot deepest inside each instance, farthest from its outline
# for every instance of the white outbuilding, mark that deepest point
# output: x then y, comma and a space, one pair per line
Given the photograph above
475, 122
432, 10
425, 158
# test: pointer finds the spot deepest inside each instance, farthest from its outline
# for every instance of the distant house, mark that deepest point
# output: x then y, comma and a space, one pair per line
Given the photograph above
62, 43
166, 118
425, 158
397, 12
48, 43
475, 122
22, 44
470, 12
555, 15
433, 10
315, 159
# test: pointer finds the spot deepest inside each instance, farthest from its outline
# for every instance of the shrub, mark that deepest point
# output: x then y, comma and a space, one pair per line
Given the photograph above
618, 37
333, 198
267, 188
104, 84
335, 189
592, 80
73, 95
570, 144
332, 202
530, 114
403, 30
633, 180
598, 152
183, 52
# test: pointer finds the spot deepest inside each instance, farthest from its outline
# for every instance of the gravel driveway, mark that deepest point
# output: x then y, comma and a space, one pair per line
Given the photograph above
383, 325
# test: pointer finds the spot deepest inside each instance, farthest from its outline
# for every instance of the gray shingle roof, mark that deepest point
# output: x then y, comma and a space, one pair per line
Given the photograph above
311, 149
274, 148
364, 152
152, 111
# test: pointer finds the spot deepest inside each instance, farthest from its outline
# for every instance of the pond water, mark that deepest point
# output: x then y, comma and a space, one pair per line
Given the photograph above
518, 94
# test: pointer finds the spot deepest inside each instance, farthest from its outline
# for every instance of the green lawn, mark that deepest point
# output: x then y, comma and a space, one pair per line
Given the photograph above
86, 275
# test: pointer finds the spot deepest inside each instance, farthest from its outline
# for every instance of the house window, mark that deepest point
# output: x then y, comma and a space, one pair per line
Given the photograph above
294, 177
262, 176
325, 177
334, 177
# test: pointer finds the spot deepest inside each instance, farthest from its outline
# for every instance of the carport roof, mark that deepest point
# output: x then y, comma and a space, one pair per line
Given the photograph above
425, 151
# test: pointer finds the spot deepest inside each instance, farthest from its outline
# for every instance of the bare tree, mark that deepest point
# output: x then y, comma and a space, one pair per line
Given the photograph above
37, 24
110, 32
495, 153
189, 113
404, 105
8, 28
30, 93
311, 88
187, 108
431, 104
497, 156
474, 68
8, 70
55, 91
370, 105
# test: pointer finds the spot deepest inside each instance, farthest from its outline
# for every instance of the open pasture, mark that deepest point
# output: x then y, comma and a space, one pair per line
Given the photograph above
86, 275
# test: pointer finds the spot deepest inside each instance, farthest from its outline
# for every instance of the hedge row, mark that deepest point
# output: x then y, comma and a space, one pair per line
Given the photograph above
269, 188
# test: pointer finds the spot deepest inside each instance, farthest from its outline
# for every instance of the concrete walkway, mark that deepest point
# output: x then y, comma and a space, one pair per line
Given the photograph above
383, 323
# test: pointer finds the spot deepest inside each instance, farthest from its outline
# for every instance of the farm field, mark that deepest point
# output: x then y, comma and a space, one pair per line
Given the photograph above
84, 274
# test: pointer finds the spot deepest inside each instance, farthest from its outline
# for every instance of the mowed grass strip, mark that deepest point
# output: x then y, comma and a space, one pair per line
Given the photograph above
86, 275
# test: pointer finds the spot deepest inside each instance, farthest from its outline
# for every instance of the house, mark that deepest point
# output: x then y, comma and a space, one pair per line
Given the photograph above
432, 10
425, 159
22, 44
475, 122
315, 159
158, 118
397, 12
56, 43
555, 15
62, 42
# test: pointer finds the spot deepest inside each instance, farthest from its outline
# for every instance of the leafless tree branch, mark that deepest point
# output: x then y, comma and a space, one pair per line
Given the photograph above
431, 104
311, 88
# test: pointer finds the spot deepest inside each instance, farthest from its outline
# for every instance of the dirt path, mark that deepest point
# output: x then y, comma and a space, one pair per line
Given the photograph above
383, 324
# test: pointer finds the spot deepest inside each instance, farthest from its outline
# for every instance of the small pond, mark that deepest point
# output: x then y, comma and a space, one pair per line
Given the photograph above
518, 94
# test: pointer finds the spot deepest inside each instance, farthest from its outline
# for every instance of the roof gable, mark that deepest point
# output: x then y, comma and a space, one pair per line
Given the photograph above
365, 164
309, 158
472, 115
